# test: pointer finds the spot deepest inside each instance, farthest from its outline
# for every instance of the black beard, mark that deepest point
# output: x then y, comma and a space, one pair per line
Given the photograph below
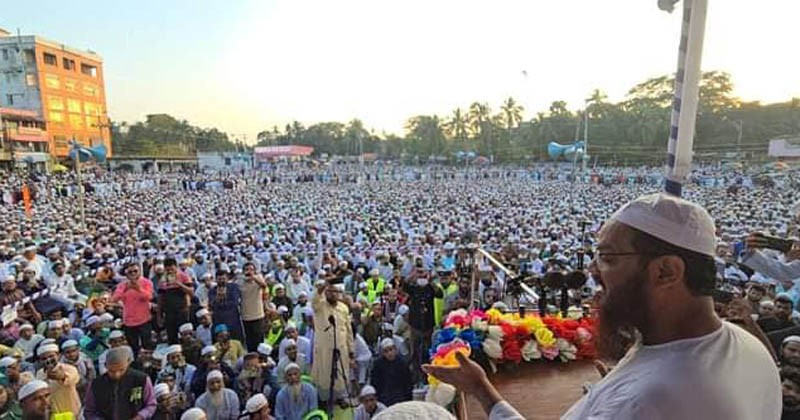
791, 405
620, 317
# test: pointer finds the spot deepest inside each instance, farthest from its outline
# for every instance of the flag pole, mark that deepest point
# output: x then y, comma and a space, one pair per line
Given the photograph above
687, 88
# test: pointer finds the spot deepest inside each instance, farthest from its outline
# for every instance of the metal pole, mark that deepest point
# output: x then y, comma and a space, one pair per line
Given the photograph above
687, 85
739, 125
80, 183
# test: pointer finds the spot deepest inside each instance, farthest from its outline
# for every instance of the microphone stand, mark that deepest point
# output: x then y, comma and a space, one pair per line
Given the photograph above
334, 365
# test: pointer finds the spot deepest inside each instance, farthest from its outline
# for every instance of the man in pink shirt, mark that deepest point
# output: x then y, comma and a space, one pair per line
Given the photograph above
135, 295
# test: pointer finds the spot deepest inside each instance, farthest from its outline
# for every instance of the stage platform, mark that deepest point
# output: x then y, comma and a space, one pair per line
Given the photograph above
539, 390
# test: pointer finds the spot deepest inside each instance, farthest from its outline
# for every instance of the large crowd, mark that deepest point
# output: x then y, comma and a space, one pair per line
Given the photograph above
299, 290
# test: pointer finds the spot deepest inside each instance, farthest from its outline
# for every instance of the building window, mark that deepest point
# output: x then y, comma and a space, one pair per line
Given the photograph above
89, 70
56, 117
90, 90
5, 54
9, 77
68, 63
10, 99
30, 57
51, 81
91, 109
50, 59
30, 80
55, 103
70, 85
76, 122
91, 122
74, 105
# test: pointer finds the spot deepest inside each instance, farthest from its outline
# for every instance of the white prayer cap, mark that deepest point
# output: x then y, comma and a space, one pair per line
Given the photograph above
362, 285
161, 389
264, 349
415, 410
8, 361
92, 320
26, 326
291, 366
175, 348
290, 342
791, 339
115, 335
256, 403
31, 388
69, 344
214, 374
55, 324
402, 310
193, 414
282, 309
308, 311
9, 279
207, 350
367, 390
201, 313
187, 327
106, 317
386, 342
671, 219
47, 348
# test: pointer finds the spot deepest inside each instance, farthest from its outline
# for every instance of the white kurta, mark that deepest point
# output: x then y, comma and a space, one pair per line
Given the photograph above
323, 344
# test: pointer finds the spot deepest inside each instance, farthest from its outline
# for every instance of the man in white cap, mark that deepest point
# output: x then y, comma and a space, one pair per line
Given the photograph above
165, 404
191, 346
257, 407
27, 340
218, 402
328, 307
34, 398
655, 262
9, 366
62, 378
790, 351
194, 414
303, 344
292, 355
296, 398
415, 410
121, 393
71, 355
204, 331
391, 376
369, 406
177, 365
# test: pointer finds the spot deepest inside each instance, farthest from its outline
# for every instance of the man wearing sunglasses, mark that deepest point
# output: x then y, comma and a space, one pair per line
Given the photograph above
135, 295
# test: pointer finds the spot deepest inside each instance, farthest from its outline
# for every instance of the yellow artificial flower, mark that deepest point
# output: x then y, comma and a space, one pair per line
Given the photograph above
545, 337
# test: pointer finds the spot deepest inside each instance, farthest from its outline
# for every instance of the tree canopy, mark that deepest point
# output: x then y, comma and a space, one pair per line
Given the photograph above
633, 130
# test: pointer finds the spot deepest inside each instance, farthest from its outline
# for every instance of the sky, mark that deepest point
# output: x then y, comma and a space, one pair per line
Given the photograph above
244, 66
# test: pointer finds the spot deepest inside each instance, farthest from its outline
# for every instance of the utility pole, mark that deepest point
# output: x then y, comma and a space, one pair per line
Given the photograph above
739, 125
81, 207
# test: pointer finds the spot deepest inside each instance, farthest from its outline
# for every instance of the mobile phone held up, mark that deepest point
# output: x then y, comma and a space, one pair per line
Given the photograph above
778, 244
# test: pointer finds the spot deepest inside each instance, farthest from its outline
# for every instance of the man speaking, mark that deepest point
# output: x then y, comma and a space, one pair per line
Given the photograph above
655, 261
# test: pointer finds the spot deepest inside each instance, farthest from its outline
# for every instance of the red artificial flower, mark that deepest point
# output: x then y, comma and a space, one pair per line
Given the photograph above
512, 350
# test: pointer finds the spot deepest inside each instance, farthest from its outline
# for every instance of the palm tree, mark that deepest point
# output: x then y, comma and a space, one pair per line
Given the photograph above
456, 126
512, 113
480, 116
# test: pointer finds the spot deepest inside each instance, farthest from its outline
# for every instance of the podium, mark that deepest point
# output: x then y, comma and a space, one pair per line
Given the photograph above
540, 390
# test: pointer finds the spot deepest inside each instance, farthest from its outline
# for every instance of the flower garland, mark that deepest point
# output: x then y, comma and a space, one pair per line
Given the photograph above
511, 338
507, 338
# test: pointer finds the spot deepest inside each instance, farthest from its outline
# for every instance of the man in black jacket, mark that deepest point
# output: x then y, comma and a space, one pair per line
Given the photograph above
121, 393
390, 375
421, 294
